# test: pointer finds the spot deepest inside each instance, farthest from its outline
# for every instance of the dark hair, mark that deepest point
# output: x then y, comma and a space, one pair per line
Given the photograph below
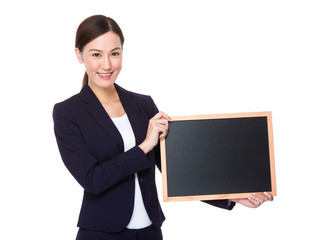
93, 27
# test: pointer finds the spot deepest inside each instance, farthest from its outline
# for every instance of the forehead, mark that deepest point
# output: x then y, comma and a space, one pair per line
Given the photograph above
105, 42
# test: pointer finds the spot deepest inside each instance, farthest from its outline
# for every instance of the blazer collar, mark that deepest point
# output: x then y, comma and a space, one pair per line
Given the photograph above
130, 106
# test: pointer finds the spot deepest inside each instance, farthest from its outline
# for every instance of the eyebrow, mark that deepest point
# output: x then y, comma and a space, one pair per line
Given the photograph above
98, 50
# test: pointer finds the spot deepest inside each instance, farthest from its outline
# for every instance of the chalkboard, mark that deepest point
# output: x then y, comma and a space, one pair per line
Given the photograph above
222, 156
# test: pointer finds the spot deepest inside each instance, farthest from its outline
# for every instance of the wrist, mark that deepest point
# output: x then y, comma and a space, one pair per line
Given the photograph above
146, 147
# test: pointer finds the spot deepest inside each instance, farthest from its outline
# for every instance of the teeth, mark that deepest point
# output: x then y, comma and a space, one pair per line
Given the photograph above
105, 74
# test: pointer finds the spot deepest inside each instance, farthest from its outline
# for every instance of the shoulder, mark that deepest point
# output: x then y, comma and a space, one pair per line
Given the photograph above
67, 103
143, 99
145, 102
66, 108
138, 96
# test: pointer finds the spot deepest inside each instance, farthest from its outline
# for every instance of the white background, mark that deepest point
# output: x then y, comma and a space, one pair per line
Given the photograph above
192, 57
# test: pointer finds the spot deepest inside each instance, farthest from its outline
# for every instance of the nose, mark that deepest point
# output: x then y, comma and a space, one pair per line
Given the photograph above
106, 63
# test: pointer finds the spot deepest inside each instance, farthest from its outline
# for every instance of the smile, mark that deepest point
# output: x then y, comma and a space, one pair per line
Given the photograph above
105, 75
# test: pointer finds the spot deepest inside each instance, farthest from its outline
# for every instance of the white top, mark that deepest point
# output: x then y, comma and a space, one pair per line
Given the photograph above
140, 218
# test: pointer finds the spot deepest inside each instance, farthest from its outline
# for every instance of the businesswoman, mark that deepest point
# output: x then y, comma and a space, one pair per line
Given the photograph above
108, 139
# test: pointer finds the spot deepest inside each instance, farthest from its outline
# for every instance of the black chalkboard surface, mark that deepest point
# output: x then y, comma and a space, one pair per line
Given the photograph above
218, 157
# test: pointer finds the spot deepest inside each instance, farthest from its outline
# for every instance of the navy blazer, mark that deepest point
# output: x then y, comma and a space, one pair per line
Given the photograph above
92, 149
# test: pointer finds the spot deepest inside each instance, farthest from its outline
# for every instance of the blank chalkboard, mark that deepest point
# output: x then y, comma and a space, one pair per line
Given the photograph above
218, 157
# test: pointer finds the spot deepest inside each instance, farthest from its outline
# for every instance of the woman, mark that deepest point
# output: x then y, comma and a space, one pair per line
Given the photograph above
108, 139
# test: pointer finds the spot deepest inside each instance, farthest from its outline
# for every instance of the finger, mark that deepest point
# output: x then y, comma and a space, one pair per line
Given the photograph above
162, 121
254, 201
163, 132
162, 136
158, 115
159, 129
270, 197
167, 117
160, 124
261, 198
162, 115
264, 197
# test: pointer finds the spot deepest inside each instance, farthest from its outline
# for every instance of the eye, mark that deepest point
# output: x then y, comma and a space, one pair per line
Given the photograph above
96, 54
115, 54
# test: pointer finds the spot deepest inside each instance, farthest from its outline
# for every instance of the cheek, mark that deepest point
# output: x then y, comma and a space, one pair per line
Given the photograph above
117, 65
91, 65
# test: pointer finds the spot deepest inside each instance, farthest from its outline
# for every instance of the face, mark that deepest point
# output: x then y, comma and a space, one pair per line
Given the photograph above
102, 58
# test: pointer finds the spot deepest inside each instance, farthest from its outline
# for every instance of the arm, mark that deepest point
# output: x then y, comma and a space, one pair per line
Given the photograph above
94, 176
151, 110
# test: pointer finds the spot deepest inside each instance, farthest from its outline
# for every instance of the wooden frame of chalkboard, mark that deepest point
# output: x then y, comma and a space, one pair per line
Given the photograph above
220, 156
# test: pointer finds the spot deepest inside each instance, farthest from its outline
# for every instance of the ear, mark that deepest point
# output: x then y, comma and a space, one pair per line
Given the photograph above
79, 55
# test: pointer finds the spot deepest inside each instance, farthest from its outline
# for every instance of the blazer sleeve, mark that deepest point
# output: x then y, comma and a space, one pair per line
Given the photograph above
94, 176
225, 204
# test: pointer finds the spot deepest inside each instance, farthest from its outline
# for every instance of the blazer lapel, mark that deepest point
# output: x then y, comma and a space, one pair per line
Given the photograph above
133, 111
98, 112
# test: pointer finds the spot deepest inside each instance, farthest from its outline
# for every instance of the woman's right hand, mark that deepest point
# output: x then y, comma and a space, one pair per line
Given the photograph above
157, 129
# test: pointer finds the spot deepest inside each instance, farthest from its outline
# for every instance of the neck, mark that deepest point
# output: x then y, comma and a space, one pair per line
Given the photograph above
105, 95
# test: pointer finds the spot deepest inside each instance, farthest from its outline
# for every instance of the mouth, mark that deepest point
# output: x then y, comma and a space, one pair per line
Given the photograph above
105, 75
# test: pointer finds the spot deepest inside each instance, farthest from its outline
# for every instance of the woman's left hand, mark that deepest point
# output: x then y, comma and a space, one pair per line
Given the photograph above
254, 200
